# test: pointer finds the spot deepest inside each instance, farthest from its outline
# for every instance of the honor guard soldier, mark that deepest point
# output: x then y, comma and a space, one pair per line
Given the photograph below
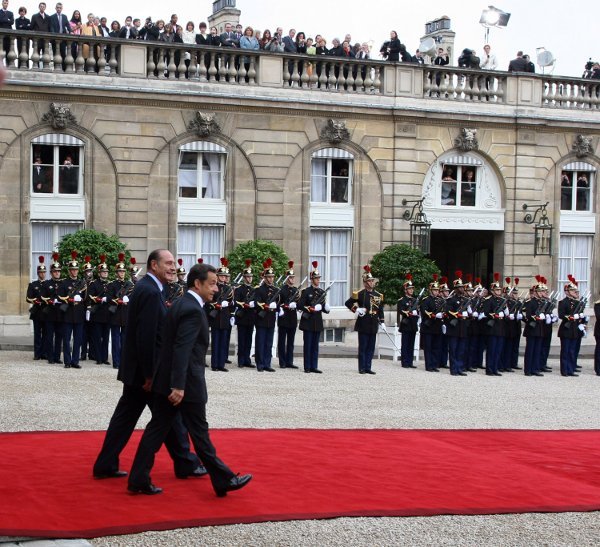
432, 316
597, 337
533, 331
475, 335
367, 306
87, 341
175, 289
181, 274
220, 314
34, 297
312, 305
287, 322
266, 296
72, 293
97, 313
512, 340
495, 310
244, 316
118, 298
572, 327
444, 293
134, 270
456, 326
547, 327
51, 313
407, 319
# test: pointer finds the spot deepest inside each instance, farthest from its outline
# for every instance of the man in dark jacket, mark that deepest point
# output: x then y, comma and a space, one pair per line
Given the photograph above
34, 297
407, 319
287, 322
518, 64
457, 326
572, 327
495, 310
179, 383
244, 316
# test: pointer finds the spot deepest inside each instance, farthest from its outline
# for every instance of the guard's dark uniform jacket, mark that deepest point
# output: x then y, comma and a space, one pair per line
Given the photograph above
372, 301
495, 325
51, 311
513, 326
311, 320
430, 307
74, 311
97, 290
117, 309
244, 314
264, 295
456, 323
34, 297
287, 295
569, 325
173, 291
534, 326
406, 321
218, 316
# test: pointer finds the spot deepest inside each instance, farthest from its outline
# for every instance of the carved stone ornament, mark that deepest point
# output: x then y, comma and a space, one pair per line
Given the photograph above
467, 140
335, 131
59, 116
204, 124
582, 146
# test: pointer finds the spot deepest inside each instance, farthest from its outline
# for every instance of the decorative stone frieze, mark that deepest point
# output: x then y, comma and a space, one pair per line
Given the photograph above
582, 146
204, 124
467, 140
335, 131
59, 115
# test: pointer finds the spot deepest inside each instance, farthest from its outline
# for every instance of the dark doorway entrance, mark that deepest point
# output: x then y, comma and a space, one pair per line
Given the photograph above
472, 251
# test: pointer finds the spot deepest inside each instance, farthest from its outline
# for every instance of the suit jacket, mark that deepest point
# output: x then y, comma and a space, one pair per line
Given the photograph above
518, 65
42, 25
22, 23
183, 353
54, 24
289, 45
133, 33
229, 40
147, 310
7, 19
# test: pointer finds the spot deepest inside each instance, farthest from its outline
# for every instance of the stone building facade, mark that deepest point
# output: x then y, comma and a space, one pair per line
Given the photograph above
315, 157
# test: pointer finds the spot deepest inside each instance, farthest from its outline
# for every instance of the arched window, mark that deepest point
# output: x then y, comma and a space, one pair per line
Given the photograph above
56, 165
331, 176
460, 181
576, 186
201, 170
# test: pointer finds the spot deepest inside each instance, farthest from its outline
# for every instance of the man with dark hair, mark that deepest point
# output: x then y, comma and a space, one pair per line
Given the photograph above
179, 383
519, 64
147, 310
41, 22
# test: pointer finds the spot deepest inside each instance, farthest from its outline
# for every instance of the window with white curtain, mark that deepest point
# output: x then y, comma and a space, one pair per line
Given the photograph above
45, 237
459, 185
575, 258
331, 180
194, 242
56, 166
201, 174
331, 249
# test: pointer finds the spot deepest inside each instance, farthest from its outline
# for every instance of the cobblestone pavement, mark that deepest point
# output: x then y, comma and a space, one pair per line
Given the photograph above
38, 396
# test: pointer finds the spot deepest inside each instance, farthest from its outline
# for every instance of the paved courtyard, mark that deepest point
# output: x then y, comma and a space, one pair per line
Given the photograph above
38, 396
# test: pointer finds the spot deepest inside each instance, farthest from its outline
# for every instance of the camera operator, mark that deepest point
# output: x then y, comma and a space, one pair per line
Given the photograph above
149, 31
592, 71
468, 59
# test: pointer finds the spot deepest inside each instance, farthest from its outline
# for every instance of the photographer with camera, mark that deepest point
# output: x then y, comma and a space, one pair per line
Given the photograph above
390, 50
149, 31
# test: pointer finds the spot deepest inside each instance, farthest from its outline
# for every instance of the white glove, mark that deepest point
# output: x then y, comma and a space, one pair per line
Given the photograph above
581, 328
326, 308
361, 311
272, 306
469, 309
439, 315
87, 315
519, 316
103, 299
444, 329
358, 313
382, 327
576, 316
414, 313
465, 314
56, 301
584, 318
506, 311
281, 313
554, 318
318, 307
232, 320
77, 298
501, 314
548, 319
251, 303
542, 316
475, 315
292, 305
225, 304
481, 316
125, 299
511, 316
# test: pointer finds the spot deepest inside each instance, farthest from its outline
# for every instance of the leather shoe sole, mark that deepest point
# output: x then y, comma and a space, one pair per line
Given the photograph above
148, 489
235, 483
112, 475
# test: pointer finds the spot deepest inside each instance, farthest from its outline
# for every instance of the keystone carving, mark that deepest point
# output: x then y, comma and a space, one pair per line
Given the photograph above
467, 140
582, 146
335, 131
59, 116
204, 124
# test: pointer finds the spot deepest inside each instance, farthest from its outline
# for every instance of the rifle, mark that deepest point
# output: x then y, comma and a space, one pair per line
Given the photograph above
272, 298
415, 305
77, 287
126, 289
319, 300
499, 307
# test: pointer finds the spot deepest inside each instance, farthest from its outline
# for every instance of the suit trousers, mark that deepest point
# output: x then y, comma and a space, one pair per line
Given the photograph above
100, 334
366, 350
597, 356
407, 348
546, 342
285, 345
493, 357
432, 345
76, 331
163, 417
127, 413
311, 349
457, 349
533, 349
264, 344
218, 348
39, 339
54, 337
117, 337
244, 344
568, 355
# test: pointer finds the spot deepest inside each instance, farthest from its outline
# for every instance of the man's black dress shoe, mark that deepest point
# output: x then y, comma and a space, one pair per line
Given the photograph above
269, 369
73, 365
370, 372
537, 374
574, 374
224, 369
228, 362
409, 366
36, 358
517, 368
111, 475
472, 369
317, 371
497, 374
67, 365
200, 471
98, 362
291, 366
362, 372
235, 483
306, 370
458, 373
148, 489
546, 369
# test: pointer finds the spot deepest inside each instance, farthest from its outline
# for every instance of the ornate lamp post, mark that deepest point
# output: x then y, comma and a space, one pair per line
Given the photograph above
420, 227
542, 245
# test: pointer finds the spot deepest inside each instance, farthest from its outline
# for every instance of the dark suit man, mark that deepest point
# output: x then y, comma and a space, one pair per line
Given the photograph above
179, 382
147, 310
519, 64
59, 24
7, 20
40, 22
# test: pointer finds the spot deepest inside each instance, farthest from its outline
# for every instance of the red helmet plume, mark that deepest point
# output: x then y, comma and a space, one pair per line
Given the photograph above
314, 263
290, 264
409, 277
435, 277
507, 279
516, 281
121, 257
248, 262
458, 274
41, 259
469, 278
200, 261
224, 262
180, 261
443, 280
367, 268
132, 261
74, 255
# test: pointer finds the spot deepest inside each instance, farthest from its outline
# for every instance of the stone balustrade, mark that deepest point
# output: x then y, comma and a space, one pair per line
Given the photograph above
94, 56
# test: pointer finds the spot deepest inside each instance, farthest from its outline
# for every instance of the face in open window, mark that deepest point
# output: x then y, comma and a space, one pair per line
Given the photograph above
55, 169
459, 185
200, 175
575, 190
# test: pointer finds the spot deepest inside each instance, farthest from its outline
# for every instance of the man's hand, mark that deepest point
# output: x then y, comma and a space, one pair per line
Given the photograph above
176, 396
147, 385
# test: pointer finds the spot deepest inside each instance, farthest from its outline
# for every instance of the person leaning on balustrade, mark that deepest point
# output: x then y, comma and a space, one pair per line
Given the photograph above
90, 29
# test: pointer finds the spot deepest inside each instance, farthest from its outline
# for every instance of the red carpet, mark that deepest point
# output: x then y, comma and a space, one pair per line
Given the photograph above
46, 488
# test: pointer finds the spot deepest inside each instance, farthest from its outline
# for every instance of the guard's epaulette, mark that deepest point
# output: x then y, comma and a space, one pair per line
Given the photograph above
355, 295
528, 299
381, 294
488, 297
